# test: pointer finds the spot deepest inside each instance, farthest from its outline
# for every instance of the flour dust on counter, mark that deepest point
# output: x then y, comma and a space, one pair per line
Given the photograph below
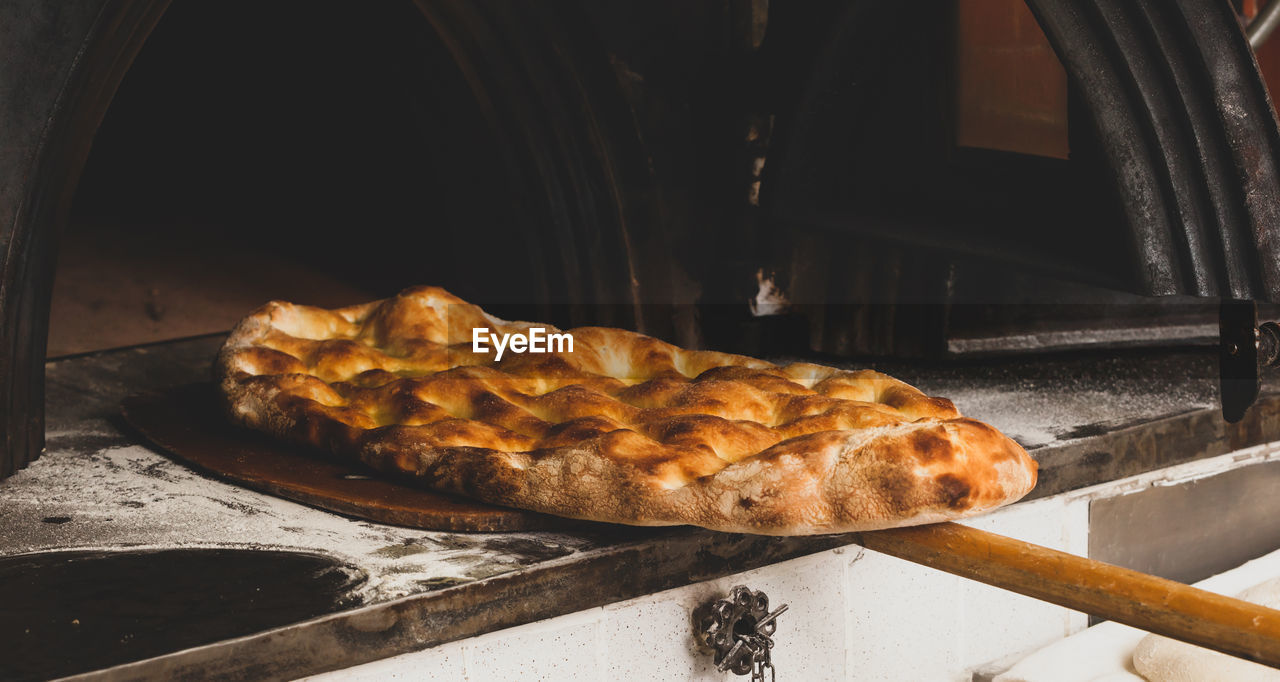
128, 496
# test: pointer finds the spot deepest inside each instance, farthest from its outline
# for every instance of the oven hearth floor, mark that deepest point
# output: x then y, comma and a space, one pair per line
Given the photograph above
1086, 418
170, 280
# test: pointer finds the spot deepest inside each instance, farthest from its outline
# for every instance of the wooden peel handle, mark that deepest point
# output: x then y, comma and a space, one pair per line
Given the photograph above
1144, 601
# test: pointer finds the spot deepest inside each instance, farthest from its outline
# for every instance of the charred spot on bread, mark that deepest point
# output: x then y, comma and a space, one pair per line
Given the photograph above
931, 447
953, 490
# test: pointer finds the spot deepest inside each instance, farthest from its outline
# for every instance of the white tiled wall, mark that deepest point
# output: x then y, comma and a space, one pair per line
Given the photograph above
565, 648
854, 615
995, 622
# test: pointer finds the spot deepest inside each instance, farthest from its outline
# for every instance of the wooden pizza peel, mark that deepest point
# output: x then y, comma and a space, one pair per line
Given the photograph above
1165, 607
188, 423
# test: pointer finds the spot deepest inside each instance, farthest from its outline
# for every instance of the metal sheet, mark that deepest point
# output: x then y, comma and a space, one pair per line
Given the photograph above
1194, 530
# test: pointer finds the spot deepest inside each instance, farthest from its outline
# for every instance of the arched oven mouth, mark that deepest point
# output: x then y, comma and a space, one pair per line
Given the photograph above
772, 180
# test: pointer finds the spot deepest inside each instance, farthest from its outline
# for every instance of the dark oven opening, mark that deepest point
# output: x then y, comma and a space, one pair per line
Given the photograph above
324, 153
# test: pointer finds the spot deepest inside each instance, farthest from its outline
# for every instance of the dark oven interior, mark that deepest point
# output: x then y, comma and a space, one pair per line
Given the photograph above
869, 179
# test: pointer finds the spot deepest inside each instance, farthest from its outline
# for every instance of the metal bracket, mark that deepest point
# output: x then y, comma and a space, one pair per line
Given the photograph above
1244, 349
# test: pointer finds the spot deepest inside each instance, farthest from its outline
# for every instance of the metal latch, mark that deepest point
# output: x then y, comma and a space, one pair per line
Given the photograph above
1245, 349
739, 630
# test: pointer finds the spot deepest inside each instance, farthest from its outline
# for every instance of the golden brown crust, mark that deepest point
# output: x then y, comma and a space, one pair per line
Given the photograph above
625, 428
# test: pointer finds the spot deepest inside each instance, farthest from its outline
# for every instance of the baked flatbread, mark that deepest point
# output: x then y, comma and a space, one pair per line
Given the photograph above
624, 428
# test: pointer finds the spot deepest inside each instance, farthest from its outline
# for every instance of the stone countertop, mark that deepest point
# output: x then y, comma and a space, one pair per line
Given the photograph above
1087, 418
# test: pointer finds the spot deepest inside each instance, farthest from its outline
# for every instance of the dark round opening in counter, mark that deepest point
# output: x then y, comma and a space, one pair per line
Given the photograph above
63, 613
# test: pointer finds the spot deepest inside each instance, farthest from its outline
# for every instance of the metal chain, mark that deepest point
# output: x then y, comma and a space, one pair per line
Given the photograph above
760, 646
758, 670
759, 662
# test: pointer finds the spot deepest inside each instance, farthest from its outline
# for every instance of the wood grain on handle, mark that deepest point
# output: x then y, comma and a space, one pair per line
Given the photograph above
1144, 601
